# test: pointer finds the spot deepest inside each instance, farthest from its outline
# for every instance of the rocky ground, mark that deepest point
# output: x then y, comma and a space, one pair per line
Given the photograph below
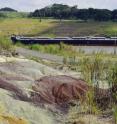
22, 73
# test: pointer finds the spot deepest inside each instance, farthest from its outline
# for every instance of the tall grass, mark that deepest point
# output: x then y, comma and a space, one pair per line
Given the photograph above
58, 49
112, 80
115, 113
5, 44
112, 75
93, 68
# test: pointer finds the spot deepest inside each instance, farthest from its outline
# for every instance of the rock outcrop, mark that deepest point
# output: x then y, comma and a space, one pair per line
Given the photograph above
17, 76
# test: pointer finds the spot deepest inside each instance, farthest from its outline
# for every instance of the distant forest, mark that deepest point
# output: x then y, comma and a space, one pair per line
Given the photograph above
7, 9
4, 10
60, 11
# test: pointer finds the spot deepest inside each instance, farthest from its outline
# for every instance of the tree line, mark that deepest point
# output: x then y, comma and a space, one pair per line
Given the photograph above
60, 11
7, 9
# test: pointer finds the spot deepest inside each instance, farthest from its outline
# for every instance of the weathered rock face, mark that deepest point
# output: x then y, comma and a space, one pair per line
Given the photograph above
59, 89
20, 106
16, 78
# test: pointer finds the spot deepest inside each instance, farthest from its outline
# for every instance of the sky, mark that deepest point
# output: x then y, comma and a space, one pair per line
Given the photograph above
31, 5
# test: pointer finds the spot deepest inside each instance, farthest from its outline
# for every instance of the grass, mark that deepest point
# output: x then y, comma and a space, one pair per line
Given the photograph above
15, 24
5, 44
20, 26
23, 26
51, 27
14, 14
94, 69
78, 60
76, 28
62, 49
115, 113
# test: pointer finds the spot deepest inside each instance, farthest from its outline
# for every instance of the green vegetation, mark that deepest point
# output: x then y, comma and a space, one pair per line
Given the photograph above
13, 22
49, 27
61, 11
8, 14
62, 49
94, 70
53, 28
23, 26
5, 44
11, 13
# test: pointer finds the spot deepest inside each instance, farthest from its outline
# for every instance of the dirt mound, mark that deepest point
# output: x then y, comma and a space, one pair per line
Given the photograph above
59, 89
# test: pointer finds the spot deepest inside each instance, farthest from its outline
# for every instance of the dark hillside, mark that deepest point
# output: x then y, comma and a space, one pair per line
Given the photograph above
7, 9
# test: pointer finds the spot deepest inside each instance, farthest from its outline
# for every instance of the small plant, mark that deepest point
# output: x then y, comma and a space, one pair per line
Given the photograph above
64, 60
91, 103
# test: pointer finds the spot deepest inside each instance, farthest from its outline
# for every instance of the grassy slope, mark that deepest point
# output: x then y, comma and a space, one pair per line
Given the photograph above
25, 26
75, 28
49, 27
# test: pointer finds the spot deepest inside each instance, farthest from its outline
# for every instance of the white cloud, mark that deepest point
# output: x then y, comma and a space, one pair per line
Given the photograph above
30, 5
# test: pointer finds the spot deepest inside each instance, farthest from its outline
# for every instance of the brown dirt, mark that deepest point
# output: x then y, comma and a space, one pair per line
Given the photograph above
59, 89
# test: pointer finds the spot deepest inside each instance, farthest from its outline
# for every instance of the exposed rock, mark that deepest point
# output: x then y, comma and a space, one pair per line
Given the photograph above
26, 68
5, 53
16, 78
21, 109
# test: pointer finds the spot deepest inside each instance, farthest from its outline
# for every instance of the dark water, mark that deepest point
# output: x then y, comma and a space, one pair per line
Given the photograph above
97, 49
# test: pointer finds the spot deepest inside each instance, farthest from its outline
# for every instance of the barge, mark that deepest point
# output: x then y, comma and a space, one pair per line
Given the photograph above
98, 41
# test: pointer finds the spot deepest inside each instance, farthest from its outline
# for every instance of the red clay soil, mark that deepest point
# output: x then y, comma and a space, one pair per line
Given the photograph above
52, 89
62, 90
59, 89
